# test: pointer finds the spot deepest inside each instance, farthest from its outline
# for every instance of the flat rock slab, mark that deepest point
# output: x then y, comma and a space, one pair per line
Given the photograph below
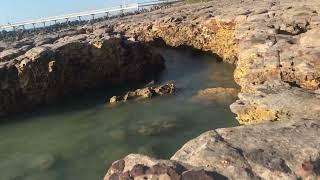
279, 150
140, 167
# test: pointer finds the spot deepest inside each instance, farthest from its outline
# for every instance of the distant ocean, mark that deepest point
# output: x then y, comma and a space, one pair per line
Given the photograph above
16, 10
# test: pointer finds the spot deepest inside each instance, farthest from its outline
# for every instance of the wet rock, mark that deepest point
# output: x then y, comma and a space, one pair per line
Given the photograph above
147, 92
157, 127
43, 162
148, 150
273, 41
118, 134
220, 95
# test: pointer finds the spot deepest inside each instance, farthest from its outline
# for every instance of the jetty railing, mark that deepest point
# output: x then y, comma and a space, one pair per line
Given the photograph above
93, 13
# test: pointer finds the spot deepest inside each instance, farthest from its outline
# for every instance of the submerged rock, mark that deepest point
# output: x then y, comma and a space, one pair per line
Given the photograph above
148, 149
219, 94
118, 134
147, 92
271, 41
280, 150
44, 162
157, 127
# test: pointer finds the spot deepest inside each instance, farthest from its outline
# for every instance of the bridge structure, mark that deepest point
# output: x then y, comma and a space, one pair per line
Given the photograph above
104, 12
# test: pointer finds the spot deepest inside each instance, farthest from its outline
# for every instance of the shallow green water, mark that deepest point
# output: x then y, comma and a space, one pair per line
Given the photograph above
78, 138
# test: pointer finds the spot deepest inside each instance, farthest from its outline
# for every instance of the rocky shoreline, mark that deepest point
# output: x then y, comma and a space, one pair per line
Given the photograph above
275, 47
72, 64
279, 150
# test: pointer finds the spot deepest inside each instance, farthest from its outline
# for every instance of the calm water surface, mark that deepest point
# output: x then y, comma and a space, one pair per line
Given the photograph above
78, 138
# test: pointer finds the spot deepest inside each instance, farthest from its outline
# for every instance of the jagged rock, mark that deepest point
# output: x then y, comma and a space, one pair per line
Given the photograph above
280, 150
140, 167
72, 64
272, 41
271, 102
147, 92
274, 46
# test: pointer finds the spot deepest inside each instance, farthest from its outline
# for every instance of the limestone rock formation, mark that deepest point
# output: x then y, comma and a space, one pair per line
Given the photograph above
269, 41
73, 64
140, 167
279, 150
276, 101
274, 45
147, 92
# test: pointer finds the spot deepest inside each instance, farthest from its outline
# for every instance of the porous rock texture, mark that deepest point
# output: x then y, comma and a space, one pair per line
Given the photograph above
273, 43
216, 95
147, 92
71, 64
275, 47
279, 150
140, 167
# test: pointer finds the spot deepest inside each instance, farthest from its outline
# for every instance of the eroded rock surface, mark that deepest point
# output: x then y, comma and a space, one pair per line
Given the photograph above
140, 167
280, 150
147, 92
274, 45
269, 41
73, 64
216, 95
276, 101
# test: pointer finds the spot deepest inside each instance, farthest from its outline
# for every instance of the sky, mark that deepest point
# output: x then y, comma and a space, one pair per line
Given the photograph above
21, 10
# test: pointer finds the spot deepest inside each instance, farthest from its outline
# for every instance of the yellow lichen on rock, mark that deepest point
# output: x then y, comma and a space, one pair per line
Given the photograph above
254, 114
223, 40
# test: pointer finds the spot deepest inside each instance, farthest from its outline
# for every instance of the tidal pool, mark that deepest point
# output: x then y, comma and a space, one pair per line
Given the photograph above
78, 138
